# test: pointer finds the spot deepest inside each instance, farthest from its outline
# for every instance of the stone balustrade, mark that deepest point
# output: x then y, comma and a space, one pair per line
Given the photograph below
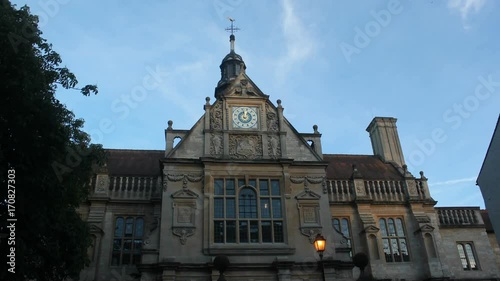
385, 190
459, 216
126, 187
377, 190
340, 190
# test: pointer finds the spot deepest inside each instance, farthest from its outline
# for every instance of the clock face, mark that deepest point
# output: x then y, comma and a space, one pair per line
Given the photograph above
245, 117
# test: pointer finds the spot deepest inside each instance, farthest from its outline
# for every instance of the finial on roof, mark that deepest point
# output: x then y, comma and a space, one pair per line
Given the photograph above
232, 29
356, 174
170, 123
315, 128
422, 177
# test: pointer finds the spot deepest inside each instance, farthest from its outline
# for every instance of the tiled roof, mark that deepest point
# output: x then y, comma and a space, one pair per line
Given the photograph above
371, 167
125, 162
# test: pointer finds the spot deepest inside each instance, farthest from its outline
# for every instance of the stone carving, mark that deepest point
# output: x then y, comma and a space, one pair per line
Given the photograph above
272, 119
244, 89
216, 117
307, 179
102, 183
183, 233
152, 234
185, 193
184, 214
310, 215
412, 187
274, 147
371, 229
360, 189
245, 146
308, 194
216, 146
310, 232
184, 177
426, 228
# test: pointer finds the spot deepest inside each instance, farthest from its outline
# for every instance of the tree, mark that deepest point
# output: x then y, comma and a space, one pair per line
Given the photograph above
46, 159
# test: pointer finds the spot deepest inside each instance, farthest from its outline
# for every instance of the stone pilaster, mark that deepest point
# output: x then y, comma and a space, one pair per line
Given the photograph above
207, 142
281, 122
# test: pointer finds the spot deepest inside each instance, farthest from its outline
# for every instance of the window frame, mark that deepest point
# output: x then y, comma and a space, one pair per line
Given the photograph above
273, 219
392, 234
468, 265
135, 238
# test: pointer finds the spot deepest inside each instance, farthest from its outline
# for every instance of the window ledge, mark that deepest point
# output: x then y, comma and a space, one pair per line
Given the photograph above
257, 250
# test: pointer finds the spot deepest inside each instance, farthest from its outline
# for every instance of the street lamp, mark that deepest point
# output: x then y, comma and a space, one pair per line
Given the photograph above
320, 244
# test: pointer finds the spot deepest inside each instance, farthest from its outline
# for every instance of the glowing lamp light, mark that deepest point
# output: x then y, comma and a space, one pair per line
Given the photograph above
320, 244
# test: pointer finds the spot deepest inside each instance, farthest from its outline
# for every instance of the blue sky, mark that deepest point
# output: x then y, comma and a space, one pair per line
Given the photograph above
432, 64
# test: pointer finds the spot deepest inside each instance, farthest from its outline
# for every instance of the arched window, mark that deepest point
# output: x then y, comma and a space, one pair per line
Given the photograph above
467, 255
247, 203
248, 211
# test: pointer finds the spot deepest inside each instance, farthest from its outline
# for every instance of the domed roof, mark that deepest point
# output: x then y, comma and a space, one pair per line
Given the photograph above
232, 56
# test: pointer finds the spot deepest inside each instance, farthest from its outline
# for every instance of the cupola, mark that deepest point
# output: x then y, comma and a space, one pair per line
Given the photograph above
232, 65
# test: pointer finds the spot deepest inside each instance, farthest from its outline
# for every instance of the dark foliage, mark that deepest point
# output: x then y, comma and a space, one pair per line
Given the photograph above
52, 157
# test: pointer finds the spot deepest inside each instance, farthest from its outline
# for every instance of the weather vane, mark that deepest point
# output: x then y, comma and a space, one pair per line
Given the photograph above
232, 29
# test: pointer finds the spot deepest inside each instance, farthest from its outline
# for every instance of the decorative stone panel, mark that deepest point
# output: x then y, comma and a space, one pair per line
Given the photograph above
184, 214
245, 146
309, 214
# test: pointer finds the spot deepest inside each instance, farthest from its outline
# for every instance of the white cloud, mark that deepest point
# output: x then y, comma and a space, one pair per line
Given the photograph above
174, 90
453, 182
465, 8
299, 43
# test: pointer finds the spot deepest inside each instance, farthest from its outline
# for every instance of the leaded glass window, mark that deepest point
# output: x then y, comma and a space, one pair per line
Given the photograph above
248, 211
127, 241
394, 241
467, 255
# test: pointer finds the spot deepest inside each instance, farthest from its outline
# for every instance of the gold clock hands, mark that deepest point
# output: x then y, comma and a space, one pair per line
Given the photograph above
245, 114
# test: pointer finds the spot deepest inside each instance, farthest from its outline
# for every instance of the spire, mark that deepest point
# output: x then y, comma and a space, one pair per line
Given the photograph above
232, 64
232, 29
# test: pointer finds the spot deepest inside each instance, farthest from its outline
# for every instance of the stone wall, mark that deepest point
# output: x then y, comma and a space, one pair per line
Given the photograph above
485, 256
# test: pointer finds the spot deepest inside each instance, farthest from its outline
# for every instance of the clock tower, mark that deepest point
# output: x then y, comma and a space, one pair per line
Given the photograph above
252, 185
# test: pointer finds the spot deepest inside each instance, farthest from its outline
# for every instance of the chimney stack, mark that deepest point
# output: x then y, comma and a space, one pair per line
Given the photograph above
385, 140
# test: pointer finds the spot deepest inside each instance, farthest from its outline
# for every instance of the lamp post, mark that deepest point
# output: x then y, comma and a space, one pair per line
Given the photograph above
319, 245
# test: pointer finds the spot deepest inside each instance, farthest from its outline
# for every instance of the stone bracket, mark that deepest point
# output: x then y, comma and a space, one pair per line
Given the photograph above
311, 232
183, 233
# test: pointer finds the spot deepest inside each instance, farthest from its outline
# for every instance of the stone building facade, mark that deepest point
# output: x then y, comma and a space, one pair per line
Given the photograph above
244, 184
